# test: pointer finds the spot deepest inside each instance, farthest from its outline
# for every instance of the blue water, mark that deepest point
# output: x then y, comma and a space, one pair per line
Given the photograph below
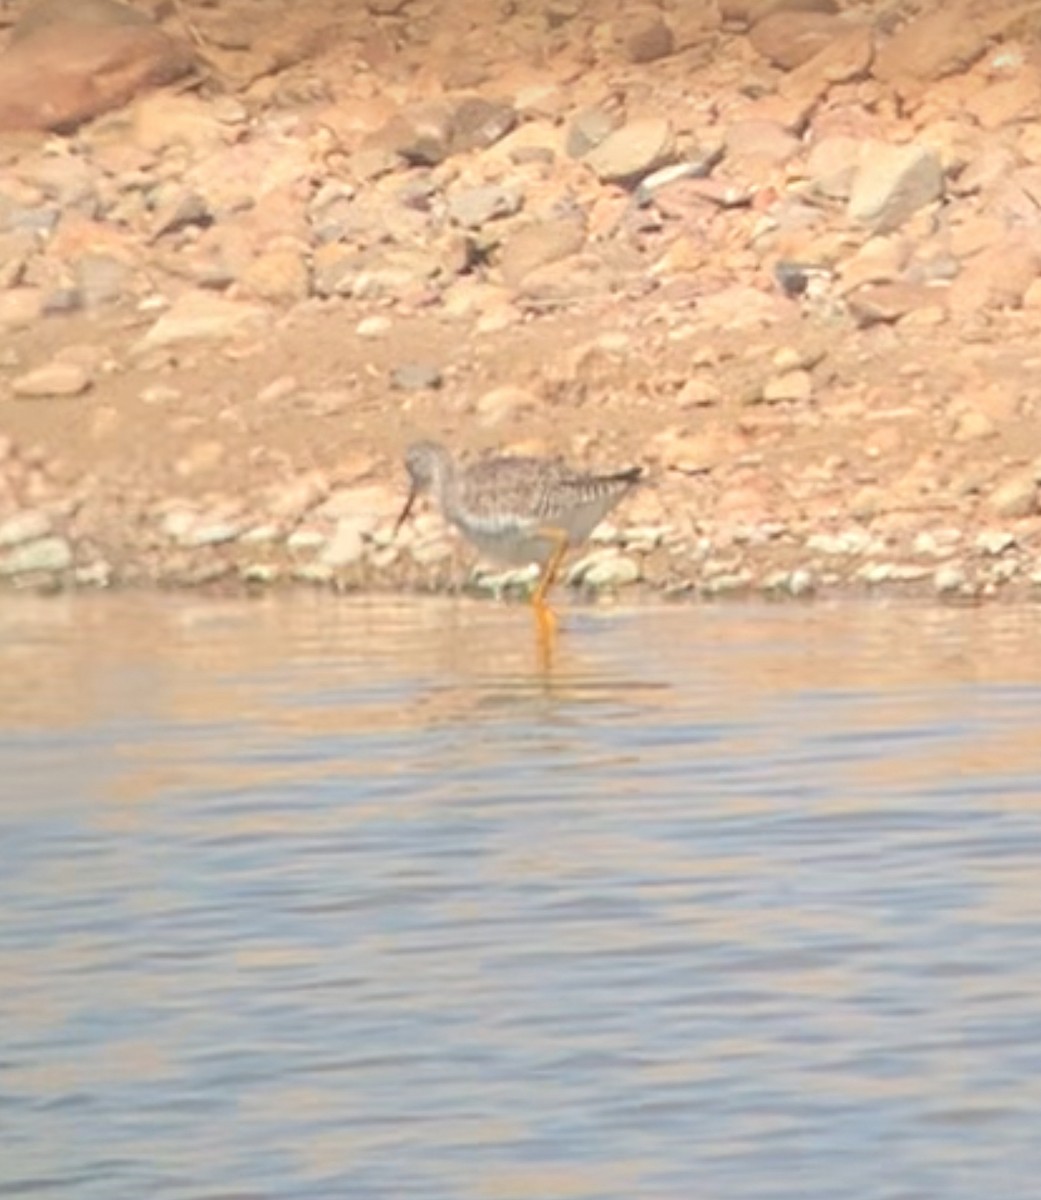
318, 898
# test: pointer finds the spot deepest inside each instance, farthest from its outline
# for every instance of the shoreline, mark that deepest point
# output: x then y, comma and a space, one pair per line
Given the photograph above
297, 483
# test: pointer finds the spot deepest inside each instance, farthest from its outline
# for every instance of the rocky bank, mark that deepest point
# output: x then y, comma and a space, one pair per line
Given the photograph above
784, 253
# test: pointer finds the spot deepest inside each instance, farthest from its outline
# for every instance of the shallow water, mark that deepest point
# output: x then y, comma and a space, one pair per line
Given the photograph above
318, 898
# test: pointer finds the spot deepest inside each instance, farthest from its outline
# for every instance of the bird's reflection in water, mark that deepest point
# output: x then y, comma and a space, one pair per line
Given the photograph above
489, 661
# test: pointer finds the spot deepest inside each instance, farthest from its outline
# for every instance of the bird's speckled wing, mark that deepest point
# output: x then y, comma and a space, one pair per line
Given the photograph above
571, 493
508, 491
534, 491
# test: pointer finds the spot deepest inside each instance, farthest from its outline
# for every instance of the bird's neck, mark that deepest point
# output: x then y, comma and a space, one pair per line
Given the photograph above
445, 487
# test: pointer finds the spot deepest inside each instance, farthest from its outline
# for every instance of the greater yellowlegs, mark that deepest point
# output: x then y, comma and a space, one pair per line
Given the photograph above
518, 510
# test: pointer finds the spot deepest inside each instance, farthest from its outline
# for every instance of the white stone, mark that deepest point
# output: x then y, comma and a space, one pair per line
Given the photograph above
852, 541
892, 183
210, 533
303, 540
178, 524
25, 526
949, 580
43, 554
373, 327
993, 542
604, 569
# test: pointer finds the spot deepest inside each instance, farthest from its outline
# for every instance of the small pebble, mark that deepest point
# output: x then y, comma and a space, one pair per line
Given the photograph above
802, 582
211, 533
993, 542
260, 573
498, 582
56, 379
260, 535
729, 583
317, 573
97, 574
160, 393
373, 327
416, 377
853, 541
302, 540
949, 579
790, 386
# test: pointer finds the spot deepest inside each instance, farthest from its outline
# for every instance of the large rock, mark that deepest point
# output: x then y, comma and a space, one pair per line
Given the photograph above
427, 134
930, 47
60, 74
45, 13
538, 244
832, 166
885, 303
997, 278
279, 274
1016, 497
421, 136
892, 182
475, 206
645, 39
26, 526
764, 142
788, 39
845, 58
166, 119
1008, 101
588, 128
42, 555
633, 151
202, 316
748, 12
478, 123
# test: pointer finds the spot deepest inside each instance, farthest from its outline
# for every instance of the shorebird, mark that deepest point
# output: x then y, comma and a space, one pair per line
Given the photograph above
517, 510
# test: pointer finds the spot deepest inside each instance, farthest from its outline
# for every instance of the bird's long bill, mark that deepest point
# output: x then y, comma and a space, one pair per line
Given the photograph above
413, 493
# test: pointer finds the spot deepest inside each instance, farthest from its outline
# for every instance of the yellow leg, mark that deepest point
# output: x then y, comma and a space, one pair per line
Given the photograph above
549, 571
545, 620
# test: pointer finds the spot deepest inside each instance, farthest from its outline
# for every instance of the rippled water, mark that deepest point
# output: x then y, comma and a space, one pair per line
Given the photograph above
316, 898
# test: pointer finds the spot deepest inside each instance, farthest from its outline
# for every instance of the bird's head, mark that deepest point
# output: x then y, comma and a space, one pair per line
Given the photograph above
428, 464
